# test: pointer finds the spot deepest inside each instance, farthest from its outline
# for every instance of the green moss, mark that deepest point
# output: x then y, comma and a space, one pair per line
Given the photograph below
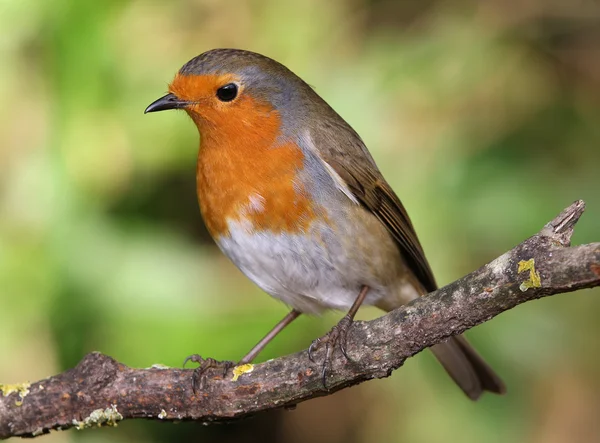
99, 417
241, 370
21, 388
534, 277
158, 366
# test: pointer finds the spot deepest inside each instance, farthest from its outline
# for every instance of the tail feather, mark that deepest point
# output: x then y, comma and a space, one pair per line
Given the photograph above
467, 368
460, 360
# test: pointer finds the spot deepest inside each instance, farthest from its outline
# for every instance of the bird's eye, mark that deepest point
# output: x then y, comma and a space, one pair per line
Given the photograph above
228, 92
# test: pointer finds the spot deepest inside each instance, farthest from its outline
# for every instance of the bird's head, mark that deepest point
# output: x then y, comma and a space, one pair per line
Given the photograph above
231, 89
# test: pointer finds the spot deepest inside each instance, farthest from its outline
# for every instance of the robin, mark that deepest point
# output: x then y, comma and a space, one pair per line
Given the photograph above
290, 193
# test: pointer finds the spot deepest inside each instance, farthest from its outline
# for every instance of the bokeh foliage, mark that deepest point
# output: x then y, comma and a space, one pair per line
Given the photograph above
483, 116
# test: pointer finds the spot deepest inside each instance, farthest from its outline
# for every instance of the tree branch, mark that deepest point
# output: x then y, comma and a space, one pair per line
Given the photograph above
100, 390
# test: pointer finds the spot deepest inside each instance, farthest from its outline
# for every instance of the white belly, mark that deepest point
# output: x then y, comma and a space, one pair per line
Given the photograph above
309, 272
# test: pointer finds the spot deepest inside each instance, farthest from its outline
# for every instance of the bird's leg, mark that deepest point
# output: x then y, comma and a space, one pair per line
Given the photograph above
337, 336
199, 376
290, 317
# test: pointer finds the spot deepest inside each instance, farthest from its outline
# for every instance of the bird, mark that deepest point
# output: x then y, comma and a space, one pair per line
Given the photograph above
291, 194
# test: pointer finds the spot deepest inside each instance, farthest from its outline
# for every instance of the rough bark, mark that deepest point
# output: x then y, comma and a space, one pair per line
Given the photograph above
100, 390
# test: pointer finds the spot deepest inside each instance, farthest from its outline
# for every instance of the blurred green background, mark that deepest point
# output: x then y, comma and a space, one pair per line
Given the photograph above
484, 116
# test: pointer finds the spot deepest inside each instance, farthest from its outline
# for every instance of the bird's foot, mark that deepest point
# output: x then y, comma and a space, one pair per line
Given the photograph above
199, 376
335, 338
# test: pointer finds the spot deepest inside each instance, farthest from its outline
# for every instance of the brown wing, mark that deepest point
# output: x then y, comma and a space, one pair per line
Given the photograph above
372, 191
343, 150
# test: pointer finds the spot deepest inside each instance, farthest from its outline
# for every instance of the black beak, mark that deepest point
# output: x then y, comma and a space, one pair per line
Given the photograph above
169, 101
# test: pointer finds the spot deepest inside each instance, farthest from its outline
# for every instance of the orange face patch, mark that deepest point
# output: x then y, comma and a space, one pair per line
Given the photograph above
241, 162
201, 92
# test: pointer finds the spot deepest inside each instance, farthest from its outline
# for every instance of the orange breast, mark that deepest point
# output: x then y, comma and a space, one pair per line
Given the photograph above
244, 175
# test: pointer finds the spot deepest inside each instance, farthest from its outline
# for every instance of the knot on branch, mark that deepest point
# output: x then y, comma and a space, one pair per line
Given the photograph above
561, 228
95, 370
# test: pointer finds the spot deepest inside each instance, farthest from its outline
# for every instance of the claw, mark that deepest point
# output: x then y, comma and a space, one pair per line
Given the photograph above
327, 362
312, 348
227, 365
199, 375
343, 347
193, 358
337, 336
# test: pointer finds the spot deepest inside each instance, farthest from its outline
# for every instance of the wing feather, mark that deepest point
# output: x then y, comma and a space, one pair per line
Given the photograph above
372, 191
